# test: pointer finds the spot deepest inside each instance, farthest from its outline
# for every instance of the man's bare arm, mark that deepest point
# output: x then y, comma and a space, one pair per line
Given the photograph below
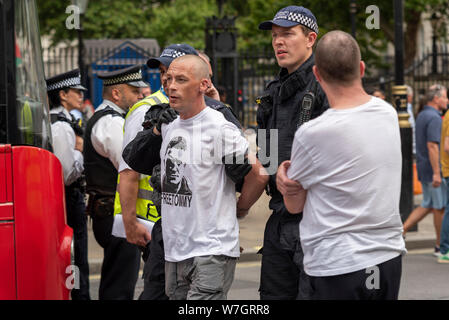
434, 157
128, 188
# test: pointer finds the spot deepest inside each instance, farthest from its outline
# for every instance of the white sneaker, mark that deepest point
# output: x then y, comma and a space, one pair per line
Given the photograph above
437, 252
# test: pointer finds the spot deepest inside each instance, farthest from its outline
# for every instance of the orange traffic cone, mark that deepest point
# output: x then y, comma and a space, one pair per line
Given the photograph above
417, 188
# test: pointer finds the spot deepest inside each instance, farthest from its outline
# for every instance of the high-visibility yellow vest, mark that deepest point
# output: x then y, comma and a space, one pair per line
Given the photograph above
145, 209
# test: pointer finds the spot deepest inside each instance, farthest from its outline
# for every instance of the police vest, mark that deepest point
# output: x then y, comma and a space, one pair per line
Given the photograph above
145, 209
101, 175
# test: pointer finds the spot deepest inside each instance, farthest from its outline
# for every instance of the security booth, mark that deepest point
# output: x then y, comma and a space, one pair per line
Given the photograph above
109, 55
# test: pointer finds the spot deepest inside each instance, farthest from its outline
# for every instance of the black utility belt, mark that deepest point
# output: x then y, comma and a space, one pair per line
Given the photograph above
100, 206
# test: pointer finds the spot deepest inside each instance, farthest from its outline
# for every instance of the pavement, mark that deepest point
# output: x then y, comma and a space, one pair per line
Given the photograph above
251, 235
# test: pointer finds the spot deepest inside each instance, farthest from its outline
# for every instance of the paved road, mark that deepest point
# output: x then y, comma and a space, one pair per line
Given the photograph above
422, 278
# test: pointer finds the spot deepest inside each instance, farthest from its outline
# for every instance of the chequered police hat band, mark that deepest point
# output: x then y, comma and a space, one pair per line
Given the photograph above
171, 53
297, 17
136, 76
69, 82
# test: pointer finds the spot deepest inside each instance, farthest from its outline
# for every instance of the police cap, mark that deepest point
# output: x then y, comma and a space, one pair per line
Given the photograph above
70, 79
170, 53
131, 76
291, 16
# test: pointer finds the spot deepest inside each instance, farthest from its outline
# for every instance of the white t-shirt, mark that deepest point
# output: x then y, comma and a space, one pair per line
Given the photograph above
198, 199
350, 162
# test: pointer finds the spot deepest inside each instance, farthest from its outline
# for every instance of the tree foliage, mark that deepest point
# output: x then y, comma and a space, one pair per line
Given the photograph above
174, 21
103, 19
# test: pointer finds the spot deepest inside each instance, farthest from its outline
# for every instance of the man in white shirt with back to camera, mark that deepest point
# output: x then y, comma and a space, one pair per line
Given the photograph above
345, 173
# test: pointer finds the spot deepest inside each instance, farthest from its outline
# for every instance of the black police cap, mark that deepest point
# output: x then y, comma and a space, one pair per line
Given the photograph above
70, 79
131, 76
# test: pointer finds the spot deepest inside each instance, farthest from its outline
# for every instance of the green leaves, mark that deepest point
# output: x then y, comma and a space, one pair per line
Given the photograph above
176, 21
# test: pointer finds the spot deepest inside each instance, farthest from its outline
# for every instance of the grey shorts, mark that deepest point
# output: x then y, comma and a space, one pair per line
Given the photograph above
434, 198
199, 278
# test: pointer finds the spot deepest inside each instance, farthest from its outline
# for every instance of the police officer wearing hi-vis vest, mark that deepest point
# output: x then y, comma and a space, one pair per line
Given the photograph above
65, 93
102, 154
292, 99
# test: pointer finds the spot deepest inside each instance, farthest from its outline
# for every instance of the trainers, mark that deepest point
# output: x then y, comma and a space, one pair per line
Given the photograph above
437, 252
443, 258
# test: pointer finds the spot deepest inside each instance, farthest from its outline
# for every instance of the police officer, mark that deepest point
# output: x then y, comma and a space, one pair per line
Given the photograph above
102, 154
65, 94
290, 100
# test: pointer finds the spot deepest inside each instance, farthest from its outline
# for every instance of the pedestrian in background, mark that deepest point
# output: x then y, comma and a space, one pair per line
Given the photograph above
444, 157
146, 91
428, 135
347, 168
411, 119
379, 94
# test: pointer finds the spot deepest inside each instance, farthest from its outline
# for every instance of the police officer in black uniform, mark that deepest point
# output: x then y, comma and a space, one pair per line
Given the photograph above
290, 100
65, 93
102, 154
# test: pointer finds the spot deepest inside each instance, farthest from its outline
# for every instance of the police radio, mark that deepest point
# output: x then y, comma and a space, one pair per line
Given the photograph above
306, 108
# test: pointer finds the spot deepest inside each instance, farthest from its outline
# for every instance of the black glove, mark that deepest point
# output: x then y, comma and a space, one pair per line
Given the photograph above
166, 116
159, 114
236, 172
153, 114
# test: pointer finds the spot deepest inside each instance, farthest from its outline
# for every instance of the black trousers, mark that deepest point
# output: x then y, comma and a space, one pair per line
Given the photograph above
154, 268
282, 273
379, 283
121, 262
77, 220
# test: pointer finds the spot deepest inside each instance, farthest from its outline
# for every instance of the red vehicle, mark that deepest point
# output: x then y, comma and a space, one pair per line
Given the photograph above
35, 241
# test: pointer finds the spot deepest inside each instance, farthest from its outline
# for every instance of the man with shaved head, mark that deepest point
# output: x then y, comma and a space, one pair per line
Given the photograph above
347, 166
199, 206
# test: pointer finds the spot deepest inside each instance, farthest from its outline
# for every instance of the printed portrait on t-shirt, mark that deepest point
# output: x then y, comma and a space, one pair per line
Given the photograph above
174, 180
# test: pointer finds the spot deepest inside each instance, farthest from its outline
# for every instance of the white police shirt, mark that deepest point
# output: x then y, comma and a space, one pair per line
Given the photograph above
198, 198
107, 134
64, 141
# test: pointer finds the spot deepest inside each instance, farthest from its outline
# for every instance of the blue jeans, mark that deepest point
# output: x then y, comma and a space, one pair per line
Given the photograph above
444, 241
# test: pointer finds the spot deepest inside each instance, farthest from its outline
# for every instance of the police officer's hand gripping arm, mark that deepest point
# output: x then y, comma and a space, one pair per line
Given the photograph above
142, 153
